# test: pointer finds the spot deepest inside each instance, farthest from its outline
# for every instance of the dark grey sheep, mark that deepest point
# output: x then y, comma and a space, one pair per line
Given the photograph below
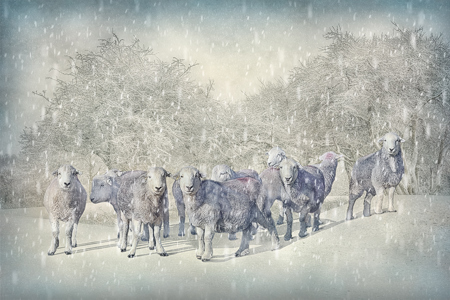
219, 207
147, 197
65, 200
105, 188
306, 187
376, 172
222, 173
328, 167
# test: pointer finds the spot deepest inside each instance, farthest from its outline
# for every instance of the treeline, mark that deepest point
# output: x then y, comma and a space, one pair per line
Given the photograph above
121, 107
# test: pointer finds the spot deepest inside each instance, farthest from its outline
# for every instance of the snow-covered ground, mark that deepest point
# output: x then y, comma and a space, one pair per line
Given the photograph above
403, 255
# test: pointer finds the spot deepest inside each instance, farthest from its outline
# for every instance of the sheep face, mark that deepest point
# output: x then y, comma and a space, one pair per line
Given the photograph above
221, 173
190, 180
66, 174
289, 171
102, 189
156, 180
391, 143
276, 156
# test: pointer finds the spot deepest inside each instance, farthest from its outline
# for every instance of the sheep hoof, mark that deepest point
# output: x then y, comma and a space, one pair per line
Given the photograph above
123, 250
151, 247
392, 210
232, 237
165, 235
144, 238
349, 218
287, 237
50, 253
280, 220
193, 232
276, 246
130, 255
320, 222
163, 254
206, 259
68, 252
74, 245
199, 256
316, 228
302, 234
242, 253
377, 212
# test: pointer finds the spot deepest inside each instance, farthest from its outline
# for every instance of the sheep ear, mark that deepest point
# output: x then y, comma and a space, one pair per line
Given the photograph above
55, 173
402, 140
200, 175
339, 156
168, 174
322, 157
109, 181
143, 178
78, 172
176, 176
381, 140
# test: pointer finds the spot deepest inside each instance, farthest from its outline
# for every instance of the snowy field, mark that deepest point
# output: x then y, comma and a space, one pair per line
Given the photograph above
403, 255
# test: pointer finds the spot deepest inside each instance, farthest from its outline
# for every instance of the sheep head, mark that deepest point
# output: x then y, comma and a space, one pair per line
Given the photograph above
155, 178
391, 143
222, 173
276, 156
289, 170
65, 175
190, 180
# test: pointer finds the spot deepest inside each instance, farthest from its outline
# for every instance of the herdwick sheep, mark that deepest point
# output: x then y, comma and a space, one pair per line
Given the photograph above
65, 200
328, 167
181, 208
306, 187
272, 181
147, 195
222, 173
219, 207
105, 188
376, 172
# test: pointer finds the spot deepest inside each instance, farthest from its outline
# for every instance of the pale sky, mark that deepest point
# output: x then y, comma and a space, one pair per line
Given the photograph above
234, 43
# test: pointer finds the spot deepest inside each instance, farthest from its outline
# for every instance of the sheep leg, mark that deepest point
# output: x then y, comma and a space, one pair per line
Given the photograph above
69, 230
289, 221
146, 236
159, 248
181, 226
135, 241
119, 219
391, 200
281, 214
192, 228
201, 242
124, 234
303, 214
307, 220
316, 219
379, 206
166, 217
55, 236
351, 202
367, 202
208, 237
270, 225
74, 234
151, 239
246, 237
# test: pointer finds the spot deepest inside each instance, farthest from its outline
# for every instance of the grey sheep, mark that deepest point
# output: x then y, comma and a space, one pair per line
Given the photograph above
65, 200
181, 208
306, 187
145, 204
272, 181
222, 173
219, 207
328, 166
376, 172
105, 188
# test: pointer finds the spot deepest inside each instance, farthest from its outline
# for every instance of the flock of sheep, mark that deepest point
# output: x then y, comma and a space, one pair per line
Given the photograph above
229, 202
